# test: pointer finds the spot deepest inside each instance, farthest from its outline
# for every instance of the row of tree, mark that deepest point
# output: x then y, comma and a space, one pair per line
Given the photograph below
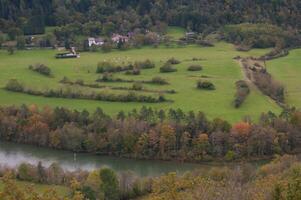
77, 93
278, 180
152, 134
98, 184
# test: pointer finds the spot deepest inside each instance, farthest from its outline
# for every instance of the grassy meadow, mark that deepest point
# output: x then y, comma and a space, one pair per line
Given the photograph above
287, 70
217, 63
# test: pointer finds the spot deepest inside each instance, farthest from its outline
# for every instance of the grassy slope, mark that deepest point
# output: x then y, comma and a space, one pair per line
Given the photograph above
288, 71
218, 64
62, 191
176, 32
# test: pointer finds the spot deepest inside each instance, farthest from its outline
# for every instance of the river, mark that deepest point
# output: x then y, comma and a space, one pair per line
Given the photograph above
12, 155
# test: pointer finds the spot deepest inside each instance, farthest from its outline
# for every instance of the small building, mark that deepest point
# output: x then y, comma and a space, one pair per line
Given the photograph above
71, 54
116, 38
191, 35
95, 41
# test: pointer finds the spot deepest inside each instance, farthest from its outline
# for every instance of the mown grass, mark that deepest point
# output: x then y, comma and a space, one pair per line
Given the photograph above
287, 70
217, 62
62, 191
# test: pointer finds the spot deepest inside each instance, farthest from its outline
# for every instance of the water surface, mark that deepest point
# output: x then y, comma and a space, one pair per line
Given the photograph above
13, 155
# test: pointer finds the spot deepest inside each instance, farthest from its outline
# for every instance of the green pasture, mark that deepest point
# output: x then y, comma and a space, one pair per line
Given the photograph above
287, 70
175, 32
218, 66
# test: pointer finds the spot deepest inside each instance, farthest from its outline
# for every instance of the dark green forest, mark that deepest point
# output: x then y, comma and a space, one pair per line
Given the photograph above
31, 16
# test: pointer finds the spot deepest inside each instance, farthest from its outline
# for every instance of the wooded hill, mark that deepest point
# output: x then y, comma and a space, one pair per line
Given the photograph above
31, 16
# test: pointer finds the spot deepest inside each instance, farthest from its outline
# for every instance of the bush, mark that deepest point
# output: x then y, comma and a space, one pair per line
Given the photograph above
67, 93
107, 77
167, 68
40, 68
173, 61
103, 67
65, 80
137, 86
14, 85
147, 64
205, 43
158, 80
242, 92
206, 85
135, 71
195, 68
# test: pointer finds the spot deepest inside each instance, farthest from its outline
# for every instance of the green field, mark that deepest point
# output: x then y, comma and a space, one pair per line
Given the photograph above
62, 191
217, 62
287, 70
175, 32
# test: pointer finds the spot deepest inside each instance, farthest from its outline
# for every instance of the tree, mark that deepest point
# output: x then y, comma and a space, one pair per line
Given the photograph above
10, 50
93, 184
167, 140
109, 184
1, 39
14, 85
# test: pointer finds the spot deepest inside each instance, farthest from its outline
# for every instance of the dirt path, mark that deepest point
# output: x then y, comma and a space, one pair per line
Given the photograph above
250, 82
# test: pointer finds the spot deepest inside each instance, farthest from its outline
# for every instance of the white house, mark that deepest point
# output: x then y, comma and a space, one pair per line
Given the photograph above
116, 38
95, 41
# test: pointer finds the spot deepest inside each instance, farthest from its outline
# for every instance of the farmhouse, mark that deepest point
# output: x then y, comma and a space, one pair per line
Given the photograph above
116, 38
95, 41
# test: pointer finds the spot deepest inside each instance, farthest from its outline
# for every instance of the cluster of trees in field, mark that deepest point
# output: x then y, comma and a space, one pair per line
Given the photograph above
194, 68
98, 184
205, 85
75, 93
137, 86
152, 134
108, 77
40, 68
108, 67
242, 92
168, 66
278, 180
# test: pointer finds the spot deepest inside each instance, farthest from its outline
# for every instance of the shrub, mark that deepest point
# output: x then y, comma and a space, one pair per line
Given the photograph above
205, 43
174, 61
79, 82
137, 86
195, 68
40, 68
147, 64
158, 80
242, 92
69, 93
105, 67
65, 80
167, 68
14, 85
135, 71
206, 85
269, 86
107, 77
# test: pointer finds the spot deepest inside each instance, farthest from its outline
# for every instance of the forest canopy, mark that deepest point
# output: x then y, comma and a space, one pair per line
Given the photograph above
31, 16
